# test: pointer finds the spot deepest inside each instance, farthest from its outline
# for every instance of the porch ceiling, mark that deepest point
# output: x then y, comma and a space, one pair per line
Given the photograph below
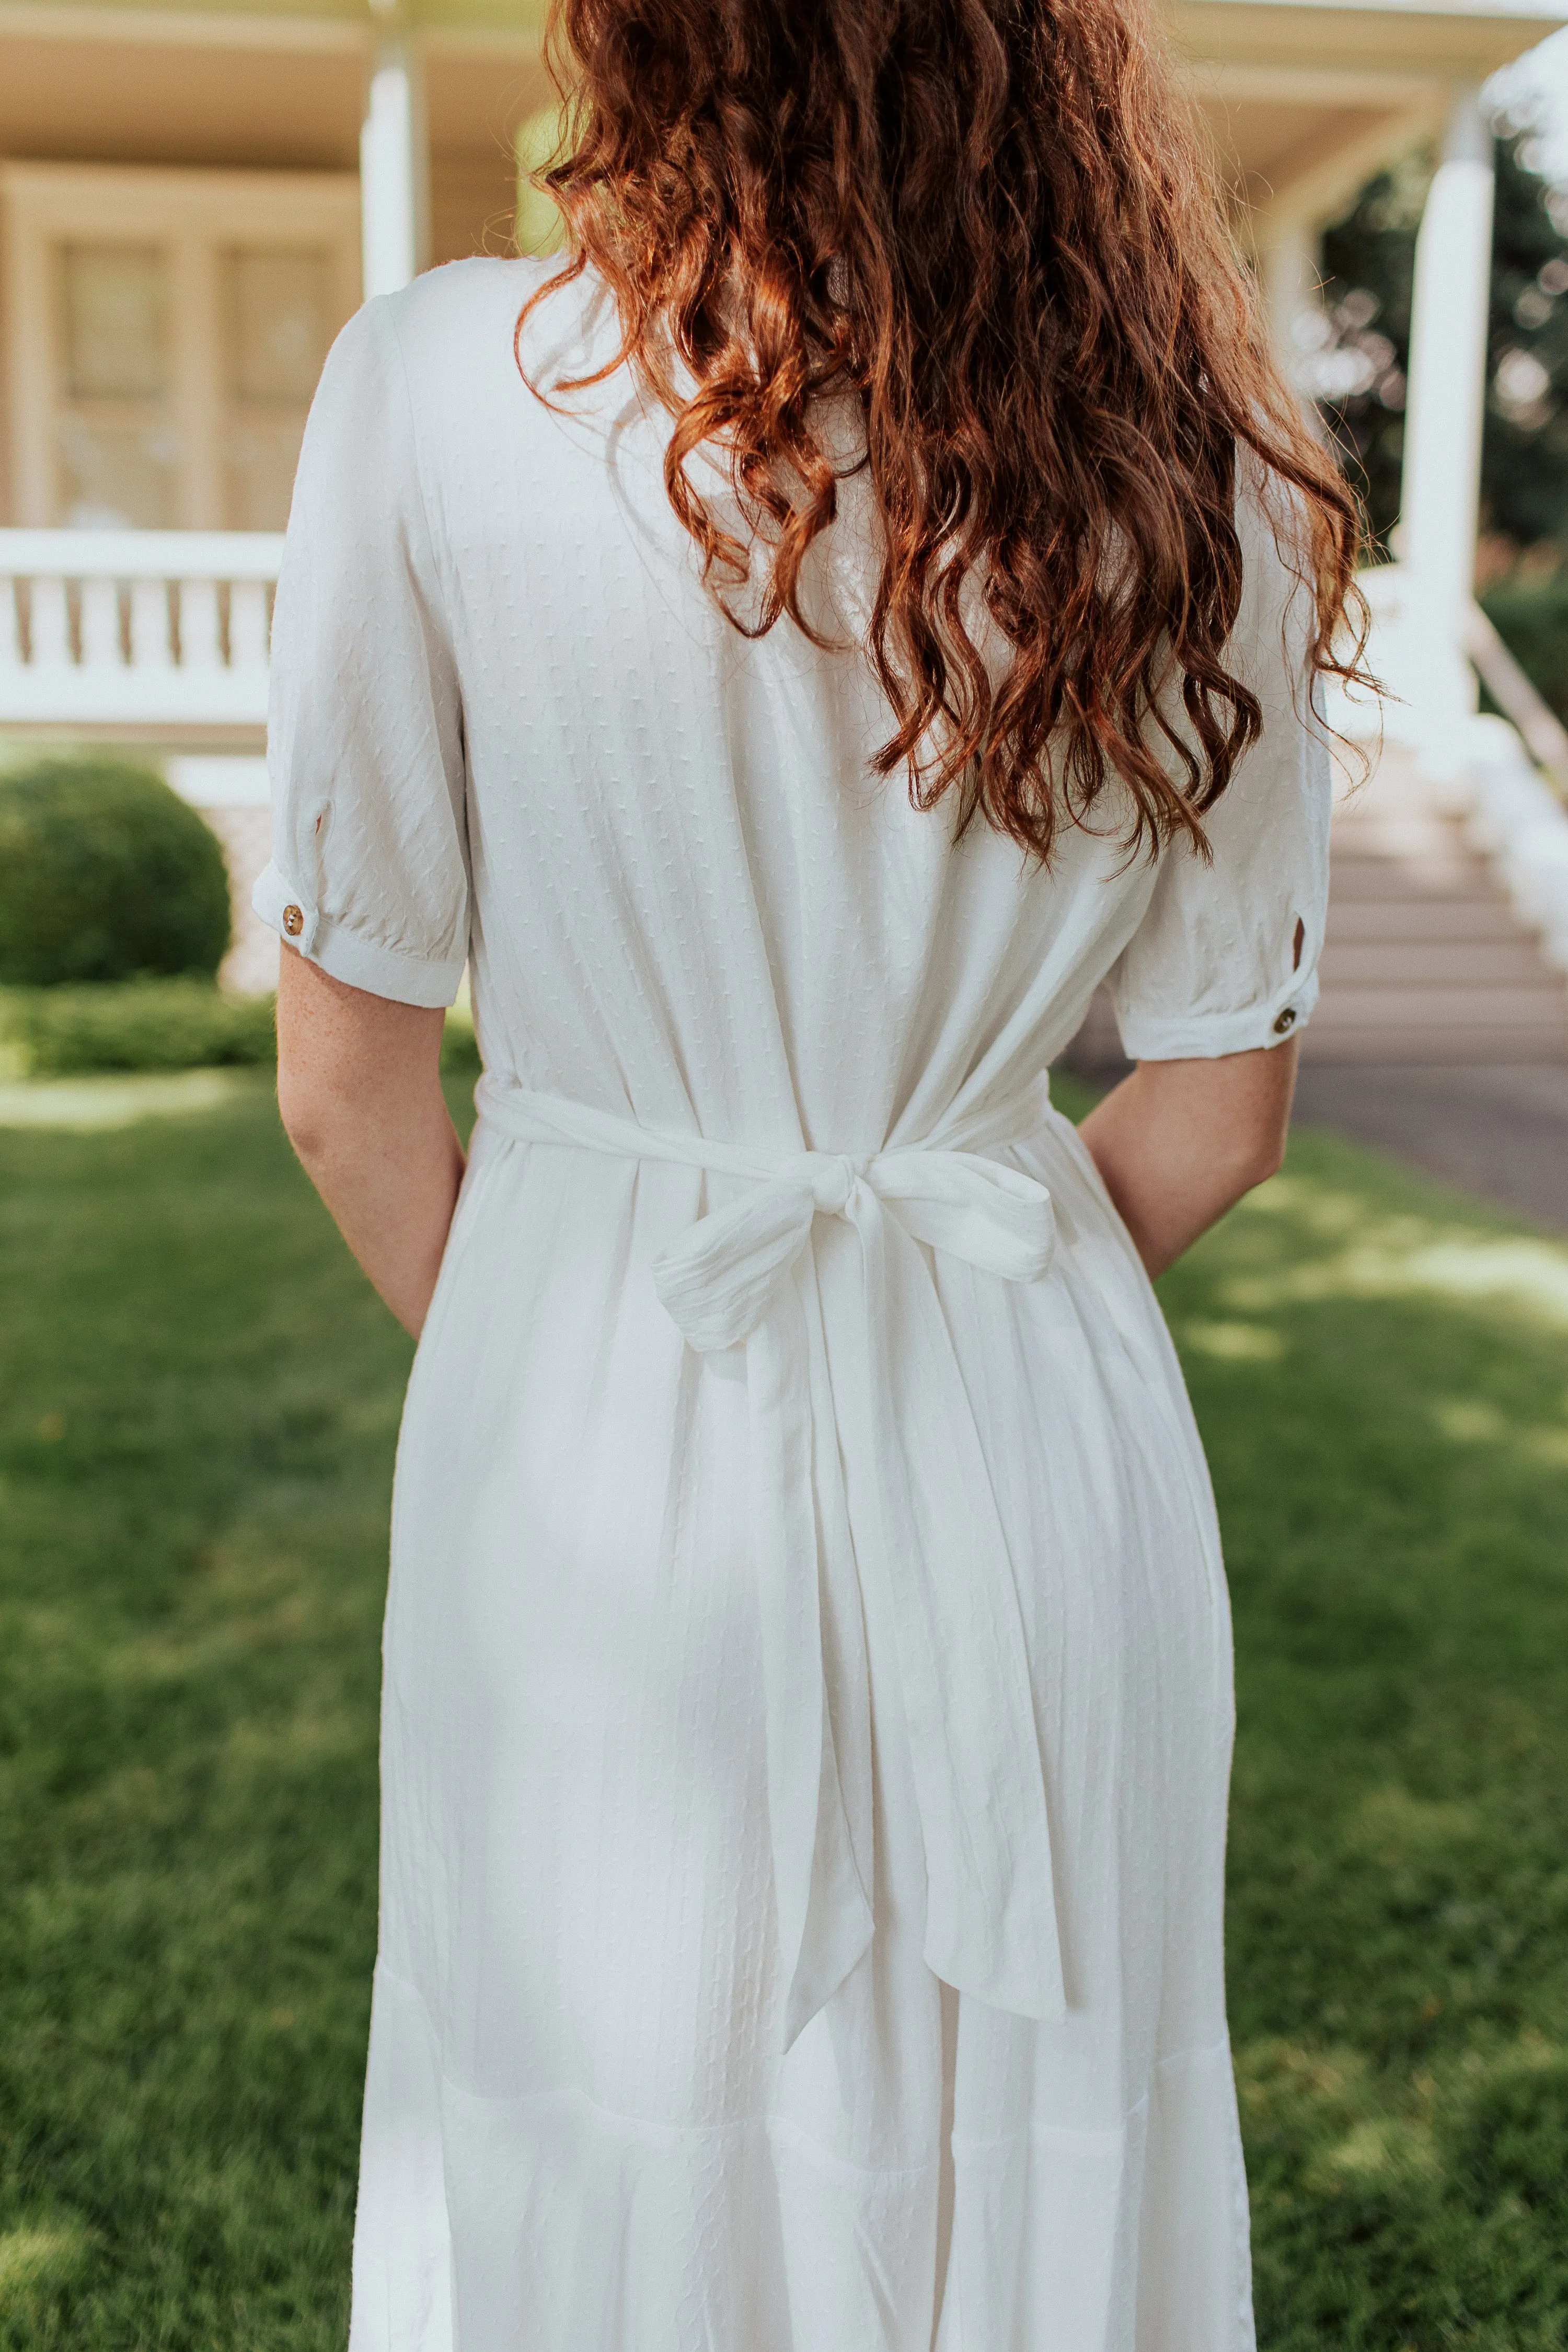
1306, 99
281, 89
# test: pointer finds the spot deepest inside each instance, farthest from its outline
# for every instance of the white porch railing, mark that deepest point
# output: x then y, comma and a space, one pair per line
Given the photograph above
152, 635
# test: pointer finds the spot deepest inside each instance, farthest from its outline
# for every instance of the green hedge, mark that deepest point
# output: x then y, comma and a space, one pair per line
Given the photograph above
140, 1024
159, 1024
105, 873
1532, 621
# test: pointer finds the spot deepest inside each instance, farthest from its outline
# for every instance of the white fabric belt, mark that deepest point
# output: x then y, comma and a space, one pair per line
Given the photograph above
744, 1274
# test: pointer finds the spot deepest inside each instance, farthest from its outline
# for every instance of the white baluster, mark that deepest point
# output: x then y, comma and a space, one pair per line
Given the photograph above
99, 624
51, 628
201, 633
149, 645
10, 623
248, 624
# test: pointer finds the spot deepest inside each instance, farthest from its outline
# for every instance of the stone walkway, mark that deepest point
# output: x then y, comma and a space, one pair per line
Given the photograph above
1498, 1131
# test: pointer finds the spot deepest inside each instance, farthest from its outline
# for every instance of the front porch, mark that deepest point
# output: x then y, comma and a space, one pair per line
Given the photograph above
193, 202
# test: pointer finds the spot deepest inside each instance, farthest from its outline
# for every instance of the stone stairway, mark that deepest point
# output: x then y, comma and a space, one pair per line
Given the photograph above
1425, 959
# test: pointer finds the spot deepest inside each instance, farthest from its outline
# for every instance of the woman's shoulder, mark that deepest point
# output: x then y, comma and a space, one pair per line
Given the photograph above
466, 322
452, 324
464, 297
462, 368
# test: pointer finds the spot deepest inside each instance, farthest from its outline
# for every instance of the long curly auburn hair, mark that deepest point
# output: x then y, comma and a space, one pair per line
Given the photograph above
998, 224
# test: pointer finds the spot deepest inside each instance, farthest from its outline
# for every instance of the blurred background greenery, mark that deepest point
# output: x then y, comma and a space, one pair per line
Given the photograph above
1354, 365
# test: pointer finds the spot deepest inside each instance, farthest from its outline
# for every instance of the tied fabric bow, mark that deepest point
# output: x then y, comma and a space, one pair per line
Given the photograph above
907, 1432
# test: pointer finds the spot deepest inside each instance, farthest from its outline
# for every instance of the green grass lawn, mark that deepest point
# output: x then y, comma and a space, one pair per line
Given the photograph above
198, 1400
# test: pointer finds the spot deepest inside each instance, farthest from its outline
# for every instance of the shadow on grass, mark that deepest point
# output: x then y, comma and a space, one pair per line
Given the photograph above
197, 1413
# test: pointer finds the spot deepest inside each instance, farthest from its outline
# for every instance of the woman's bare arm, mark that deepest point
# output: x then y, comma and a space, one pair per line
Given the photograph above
359, 1089
1178, 1143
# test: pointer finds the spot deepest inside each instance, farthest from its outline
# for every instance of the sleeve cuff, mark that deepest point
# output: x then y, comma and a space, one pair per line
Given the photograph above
1204, 1036
357, 961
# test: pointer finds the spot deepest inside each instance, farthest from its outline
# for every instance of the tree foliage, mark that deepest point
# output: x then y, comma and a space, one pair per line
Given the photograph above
1357, 365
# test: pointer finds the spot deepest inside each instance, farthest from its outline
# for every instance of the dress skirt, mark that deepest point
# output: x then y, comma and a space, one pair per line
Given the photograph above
582, 2131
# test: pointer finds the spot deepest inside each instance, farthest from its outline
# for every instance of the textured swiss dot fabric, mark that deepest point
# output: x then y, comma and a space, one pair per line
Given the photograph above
510, 729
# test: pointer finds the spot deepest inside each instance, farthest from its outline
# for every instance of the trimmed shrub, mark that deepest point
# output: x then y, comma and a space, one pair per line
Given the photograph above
142, 1024
1531, 619
160, 1025
105, 873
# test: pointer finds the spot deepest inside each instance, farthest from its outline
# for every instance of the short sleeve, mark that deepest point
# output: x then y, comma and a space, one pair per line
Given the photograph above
369, 875
1219, 965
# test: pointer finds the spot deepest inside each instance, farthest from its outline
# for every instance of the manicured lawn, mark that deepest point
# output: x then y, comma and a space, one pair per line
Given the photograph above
1381, 1378
199, 1403
198, 1400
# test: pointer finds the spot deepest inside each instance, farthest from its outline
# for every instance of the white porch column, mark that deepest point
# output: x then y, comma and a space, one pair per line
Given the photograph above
1290, 266
1441, 486
394, 172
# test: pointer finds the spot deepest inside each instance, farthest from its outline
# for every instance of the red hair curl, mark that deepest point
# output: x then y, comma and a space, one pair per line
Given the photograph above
998, 223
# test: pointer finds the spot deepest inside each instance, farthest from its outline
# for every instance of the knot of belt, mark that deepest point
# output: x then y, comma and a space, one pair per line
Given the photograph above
906, 1430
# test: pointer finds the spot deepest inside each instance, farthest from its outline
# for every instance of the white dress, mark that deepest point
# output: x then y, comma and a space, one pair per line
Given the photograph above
807, 1705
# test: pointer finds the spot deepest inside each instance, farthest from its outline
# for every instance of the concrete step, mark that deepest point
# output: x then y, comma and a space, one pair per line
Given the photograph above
1442, 964
1353, 921
1425, 959
1439, 1026
1392, 882
1385, 1043
1427, 963
1329, 1040
1542, 1007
